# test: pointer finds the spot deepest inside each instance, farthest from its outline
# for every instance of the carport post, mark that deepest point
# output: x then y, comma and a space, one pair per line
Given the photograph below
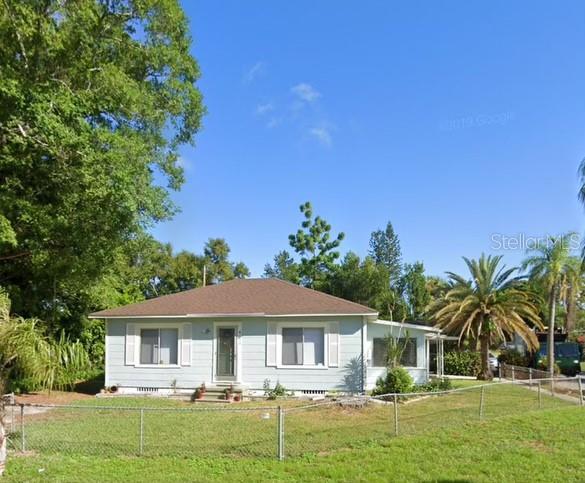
580, 390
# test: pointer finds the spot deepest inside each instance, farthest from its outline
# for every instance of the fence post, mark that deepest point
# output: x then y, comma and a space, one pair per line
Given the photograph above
481, 401
280, 431
22, 440
539, 394
513, 376
580, 381
141, 447
552, 387
395, 414
500, 371
530, 375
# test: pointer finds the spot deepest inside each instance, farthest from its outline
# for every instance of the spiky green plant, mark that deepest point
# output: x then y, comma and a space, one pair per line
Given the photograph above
27, 351
492, 306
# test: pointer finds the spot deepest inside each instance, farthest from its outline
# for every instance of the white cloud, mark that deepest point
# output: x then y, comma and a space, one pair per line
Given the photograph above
255, 71
305, 92
322, 134
262, 109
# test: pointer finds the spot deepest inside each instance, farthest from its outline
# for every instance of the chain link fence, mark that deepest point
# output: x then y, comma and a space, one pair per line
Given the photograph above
509, 371
292, 430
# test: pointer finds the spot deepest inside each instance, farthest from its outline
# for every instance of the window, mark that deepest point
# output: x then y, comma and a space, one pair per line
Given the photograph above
159, 346
408, 358
379, 353
303, 346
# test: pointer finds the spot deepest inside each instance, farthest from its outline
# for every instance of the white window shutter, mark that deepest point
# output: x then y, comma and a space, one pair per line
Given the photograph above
186, 345
333, 344
271, 344
130, 344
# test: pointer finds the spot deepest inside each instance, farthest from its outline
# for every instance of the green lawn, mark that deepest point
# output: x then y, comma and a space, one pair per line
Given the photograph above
440, 438
544, 446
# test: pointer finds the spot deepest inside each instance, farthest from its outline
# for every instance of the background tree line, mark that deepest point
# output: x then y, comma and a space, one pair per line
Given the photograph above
399, 291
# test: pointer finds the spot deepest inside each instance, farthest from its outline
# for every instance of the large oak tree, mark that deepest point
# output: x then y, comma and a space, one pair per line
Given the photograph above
96, 98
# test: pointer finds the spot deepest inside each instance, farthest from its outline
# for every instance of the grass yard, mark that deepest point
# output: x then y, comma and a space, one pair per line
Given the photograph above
537, 446
322, 442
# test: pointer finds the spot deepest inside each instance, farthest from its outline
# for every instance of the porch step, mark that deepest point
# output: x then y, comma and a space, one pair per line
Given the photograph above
217, 392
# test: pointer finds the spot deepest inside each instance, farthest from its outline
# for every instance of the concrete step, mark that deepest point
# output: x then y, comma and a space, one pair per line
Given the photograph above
217, 392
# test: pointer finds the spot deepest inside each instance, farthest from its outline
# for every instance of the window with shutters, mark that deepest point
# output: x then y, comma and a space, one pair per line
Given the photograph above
304, 345
159, 345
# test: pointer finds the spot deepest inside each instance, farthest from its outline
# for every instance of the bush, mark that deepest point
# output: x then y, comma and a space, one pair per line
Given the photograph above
513, 357
93, 338
278, 391
398, 380
462, 363
543, 366
435, 385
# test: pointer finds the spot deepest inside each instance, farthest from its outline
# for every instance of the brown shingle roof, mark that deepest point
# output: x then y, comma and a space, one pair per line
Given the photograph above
239, 297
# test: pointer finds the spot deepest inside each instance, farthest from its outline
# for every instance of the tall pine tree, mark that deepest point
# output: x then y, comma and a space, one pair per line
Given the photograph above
385, 250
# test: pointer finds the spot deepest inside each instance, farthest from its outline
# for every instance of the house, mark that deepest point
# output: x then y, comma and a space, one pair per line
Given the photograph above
245, 332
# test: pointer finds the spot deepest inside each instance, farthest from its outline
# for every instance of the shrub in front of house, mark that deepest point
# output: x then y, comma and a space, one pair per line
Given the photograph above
397, 380
462, 363
435, 385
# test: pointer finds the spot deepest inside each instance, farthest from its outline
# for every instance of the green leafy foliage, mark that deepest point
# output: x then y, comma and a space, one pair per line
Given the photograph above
513, 357
277, 391
397, 380
434, 385
488, 308
93, 338
360, 281
462, 363
315, 246
284, 267
552, 268
385, 251
413, 285
97, 97
216, 259
30, 359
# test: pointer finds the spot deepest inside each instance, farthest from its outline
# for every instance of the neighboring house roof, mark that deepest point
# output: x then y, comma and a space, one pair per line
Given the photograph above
244, 297
407, 325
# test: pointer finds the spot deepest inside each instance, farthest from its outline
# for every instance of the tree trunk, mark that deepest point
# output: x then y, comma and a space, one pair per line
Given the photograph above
486, 372
571, 310
551, 333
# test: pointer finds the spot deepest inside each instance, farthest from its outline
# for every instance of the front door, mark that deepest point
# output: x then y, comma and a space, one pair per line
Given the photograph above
226, 353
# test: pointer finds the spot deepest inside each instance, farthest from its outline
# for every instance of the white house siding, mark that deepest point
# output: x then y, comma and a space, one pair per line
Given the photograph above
254, 370
419, 373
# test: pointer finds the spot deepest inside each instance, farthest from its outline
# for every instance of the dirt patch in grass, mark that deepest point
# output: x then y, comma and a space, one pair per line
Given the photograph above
539, 446
54, 397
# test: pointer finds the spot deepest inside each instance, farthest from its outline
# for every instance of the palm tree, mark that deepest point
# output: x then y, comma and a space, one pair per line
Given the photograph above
572, 292
490, 307
551, 265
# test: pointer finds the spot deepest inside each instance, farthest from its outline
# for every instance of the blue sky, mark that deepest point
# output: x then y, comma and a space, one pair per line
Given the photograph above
455, 120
